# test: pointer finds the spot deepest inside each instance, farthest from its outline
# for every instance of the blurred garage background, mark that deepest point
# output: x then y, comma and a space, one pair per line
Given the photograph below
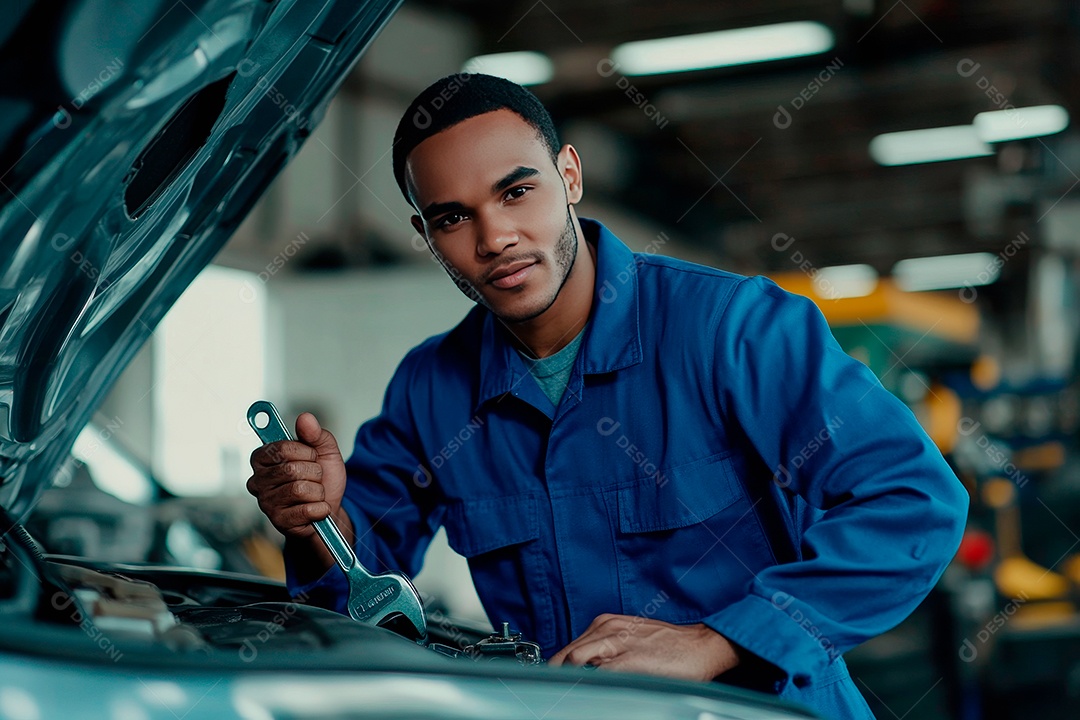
909, 165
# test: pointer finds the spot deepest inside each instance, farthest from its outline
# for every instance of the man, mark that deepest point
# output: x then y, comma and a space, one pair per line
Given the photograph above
651, 465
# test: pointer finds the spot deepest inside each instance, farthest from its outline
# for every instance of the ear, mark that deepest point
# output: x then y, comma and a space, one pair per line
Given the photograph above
418, 225
569, 165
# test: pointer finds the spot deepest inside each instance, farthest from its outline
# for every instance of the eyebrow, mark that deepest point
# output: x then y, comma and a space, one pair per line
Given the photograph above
518, 174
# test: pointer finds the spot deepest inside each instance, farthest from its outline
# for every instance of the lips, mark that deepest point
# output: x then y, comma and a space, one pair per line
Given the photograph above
512, 274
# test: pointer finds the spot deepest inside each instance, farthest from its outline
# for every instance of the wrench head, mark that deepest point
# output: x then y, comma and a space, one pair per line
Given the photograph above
389, 597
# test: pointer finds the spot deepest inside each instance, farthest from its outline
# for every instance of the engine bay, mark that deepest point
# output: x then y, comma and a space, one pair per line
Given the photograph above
130, 609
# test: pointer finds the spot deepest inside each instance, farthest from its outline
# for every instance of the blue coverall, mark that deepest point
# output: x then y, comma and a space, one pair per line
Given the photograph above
716, 458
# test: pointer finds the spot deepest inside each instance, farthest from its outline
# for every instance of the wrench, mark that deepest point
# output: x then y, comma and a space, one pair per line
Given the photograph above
373, 599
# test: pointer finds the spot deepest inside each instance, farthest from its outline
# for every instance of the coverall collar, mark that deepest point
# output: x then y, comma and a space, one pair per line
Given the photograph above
612, 340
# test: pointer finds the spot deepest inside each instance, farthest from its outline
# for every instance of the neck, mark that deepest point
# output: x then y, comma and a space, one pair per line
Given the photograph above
553, 329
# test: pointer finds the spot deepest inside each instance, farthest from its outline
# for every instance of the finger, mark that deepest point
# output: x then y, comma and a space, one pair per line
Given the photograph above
300, 492
606, 619
281, 451
288, 472
311, 432
600, 621
647, 664
267, 479
292, 518
598, 651
627, 662
563, 656
560, 657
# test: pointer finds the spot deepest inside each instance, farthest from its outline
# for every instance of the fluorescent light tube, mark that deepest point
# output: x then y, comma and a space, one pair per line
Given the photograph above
1018, 123
946, 271
722, 48
524, 68
929, 145
845, 281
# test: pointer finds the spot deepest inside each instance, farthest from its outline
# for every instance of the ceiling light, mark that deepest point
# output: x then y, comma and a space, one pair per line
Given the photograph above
524, 68
1017, 123
946, 271
845, 281
929, 145
722, 48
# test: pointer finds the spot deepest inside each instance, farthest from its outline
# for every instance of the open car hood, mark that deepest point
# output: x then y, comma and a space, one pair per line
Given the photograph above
134, 139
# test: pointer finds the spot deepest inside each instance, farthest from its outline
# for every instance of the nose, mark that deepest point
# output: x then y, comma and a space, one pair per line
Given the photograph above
496, 233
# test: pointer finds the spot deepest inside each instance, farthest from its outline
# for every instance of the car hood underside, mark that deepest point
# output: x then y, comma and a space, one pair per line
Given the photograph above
134, 139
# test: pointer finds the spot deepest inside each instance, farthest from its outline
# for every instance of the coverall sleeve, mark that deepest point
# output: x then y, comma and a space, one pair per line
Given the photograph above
388, 496
891, 510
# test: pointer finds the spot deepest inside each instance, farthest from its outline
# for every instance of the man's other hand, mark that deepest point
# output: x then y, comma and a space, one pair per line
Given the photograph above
634, 644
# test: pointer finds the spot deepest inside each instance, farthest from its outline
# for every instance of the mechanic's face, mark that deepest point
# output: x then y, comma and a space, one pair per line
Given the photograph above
495, 211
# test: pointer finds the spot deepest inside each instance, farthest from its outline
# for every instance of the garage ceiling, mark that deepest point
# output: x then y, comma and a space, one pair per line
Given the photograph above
726, 177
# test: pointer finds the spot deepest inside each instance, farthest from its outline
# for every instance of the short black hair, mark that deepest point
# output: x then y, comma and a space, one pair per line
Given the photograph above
454, 98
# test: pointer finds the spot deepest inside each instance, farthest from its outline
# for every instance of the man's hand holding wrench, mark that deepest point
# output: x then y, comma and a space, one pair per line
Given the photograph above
298, 482
299, 487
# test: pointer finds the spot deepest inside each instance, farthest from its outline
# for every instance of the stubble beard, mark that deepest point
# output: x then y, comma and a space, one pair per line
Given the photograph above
564, 256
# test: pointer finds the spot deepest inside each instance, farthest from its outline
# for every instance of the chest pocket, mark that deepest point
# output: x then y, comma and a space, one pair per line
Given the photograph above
687, 540
681, 496
500, 539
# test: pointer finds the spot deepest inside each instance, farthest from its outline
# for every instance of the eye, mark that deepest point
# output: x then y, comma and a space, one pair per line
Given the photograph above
517, 192
448, 221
